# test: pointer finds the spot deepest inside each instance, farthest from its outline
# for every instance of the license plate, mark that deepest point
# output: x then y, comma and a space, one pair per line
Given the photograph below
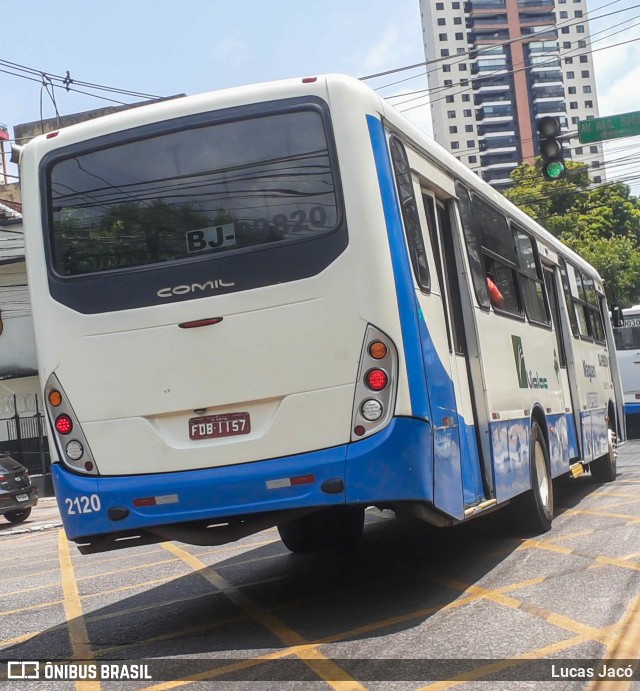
214, 426
22, 497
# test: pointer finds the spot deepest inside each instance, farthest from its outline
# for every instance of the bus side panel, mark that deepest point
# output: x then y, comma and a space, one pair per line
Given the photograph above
572, 436
447, 468
510, 448
559, 443
510, 445
395, 464
432, 393
470, 462
401, 272
595, 431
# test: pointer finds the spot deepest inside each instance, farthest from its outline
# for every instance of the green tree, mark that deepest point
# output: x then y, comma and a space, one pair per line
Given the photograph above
601, 224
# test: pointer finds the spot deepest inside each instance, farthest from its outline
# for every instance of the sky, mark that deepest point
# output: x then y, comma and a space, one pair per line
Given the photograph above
161, 48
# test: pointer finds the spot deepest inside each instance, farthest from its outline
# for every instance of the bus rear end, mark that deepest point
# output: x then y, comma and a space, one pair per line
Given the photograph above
200, 335
627, 337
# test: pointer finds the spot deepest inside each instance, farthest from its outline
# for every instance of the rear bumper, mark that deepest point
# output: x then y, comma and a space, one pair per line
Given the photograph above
393, 465
9, 502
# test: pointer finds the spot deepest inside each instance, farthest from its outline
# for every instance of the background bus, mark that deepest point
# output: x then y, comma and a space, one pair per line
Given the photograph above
269, 306
627, 337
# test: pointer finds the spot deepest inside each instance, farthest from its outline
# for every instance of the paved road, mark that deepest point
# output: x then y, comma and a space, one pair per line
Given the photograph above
414, 606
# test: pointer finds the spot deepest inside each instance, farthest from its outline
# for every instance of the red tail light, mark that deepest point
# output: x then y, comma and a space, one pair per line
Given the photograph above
64, 424
376, 379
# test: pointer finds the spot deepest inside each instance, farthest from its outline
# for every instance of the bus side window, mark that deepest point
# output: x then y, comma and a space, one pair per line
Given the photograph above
531, 279
409, 209
555, 313
569, 299
499, 254
472, 243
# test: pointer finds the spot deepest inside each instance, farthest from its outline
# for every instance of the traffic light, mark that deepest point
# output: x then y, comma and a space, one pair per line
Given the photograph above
553, 166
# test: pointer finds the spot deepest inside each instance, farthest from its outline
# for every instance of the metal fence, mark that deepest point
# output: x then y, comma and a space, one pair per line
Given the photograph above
26, 438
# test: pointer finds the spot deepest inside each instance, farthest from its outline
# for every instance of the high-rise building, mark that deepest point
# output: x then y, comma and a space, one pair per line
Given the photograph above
495, 67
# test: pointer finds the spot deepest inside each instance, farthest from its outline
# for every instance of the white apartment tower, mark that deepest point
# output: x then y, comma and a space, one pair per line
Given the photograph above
495, 67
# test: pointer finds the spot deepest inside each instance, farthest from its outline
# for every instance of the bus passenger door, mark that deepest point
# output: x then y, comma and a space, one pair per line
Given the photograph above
456, 475
564, 374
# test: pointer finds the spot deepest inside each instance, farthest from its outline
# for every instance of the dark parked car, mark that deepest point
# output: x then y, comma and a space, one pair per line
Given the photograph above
17, 495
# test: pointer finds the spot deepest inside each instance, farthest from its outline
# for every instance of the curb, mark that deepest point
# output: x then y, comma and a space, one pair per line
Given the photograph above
33, 529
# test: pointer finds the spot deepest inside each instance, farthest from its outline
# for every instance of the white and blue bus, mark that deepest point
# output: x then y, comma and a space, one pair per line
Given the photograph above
281, 304
627, 338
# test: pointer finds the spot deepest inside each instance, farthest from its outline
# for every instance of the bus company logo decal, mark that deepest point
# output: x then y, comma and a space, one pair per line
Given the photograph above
193, 288
526, 378
589, 371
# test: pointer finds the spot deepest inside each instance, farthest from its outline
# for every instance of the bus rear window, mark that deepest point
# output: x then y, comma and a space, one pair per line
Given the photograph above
193, 193
627, 337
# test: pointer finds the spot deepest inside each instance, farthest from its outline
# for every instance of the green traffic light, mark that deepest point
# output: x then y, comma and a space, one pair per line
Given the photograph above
555, 170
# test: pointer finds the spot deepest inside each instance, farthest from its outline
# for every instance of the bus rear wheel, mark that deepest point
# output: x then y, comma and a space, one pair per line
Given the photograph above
535, 508
604, 469
338, 528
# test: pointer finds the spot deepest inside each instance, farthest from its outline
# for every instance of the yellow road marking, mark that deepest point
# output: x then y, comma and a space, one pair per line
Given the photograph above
19, 639
314, 659
124, 588
128, 570
500, 665
37, 574
624, 645
249, 545
78, 635
603, 514
30, 608
558, 620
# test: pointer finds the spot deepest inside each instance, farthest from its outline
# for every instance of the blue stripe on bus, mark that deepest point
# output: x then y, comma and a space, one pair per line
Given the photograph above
395, 464
401, 271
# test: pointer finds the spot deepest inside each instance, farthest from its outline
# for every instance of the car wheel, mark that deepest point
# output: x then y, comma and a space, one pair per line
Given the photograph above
18, 516
338, 528
604, 469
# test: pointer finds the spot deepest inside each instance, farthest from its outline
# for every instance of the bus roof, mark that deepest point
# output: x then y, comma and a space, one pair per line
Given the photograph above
327, 85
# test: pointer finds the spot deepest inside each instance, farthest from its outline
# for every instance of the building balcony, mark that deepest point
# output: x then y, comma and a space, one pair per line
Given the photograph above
497, 141
493, 99
543, 93
551, 108
480, 6
536, 4
504, 167
497, 177
485, 69
540, 75
487, 82
487, 22
506, 128
489, 36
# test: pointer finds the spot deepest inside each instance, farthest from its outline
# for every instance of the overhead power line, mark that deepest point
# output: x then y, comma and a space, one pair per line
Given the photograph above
475, 50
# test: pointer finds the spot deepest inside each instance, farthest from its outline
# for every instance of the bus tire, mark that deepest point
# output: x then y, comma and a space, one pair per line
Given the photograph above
338, 528
535, 512
604, 469
18, 516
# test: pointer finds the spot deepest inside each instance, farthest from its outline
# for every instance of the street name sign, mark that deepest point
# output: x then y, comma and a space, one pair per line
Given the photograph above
610, 127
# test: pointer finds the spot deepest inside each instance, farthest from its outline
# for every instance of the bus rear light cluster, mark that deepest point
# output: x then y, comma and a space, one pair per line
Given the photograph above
376, 384
71, 443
